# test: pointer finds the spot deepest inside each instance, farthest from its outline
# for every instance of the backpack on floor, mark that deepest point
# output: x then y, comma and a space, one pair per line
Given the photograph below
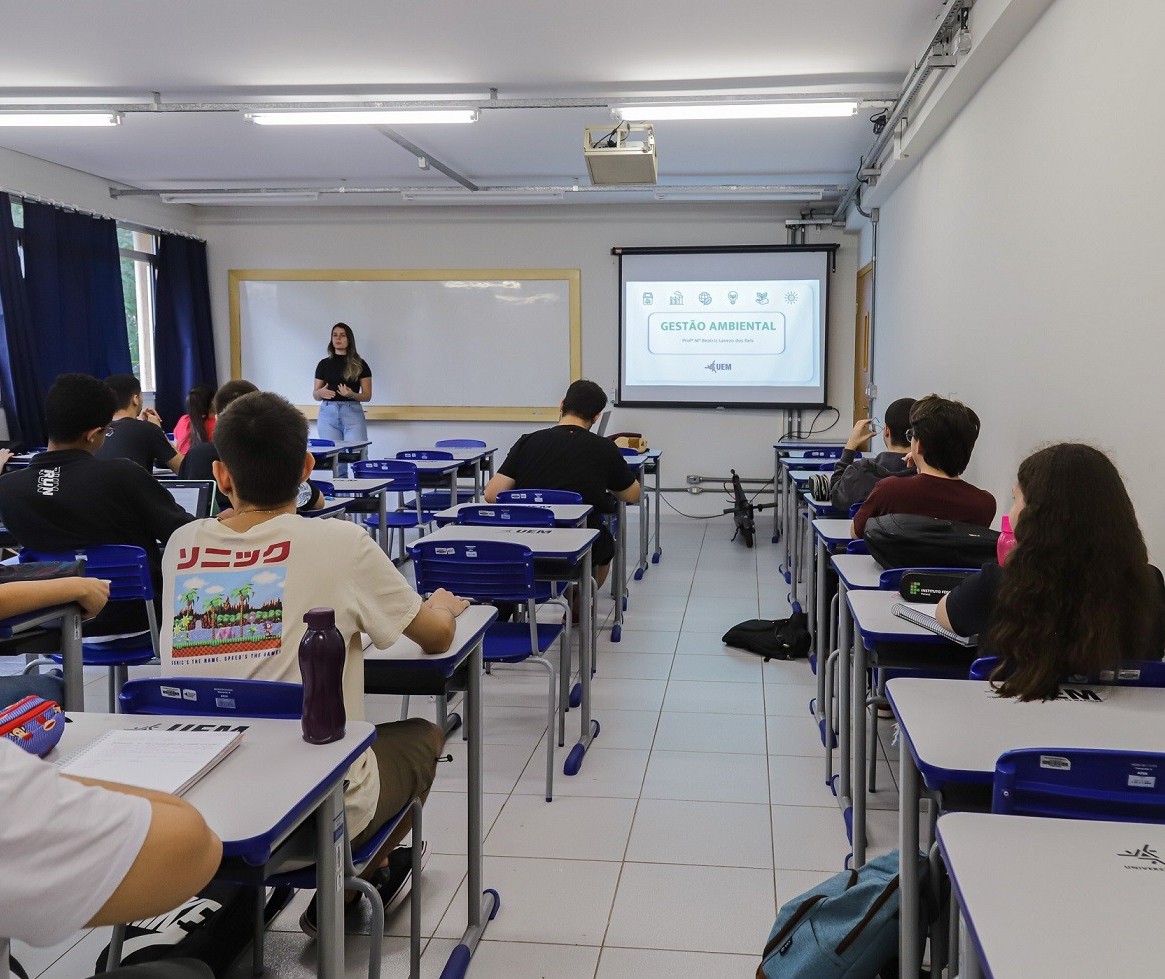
844, 928
772, 638
905, 540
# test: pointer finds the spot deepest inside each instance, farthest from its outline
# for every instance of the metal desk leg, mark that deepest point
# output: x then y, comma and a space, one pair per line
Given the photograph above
821, 649
856, 770
847, 648
483, 905
658, 506
909, 934
329, 831
619, 575
588, 729
72, 661
840, 676
776, 495
644, 531
385, 533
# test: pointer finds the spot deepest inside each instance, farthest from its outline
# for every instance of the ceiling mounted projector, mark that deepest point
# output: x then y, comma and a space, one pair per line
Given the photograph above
625, 155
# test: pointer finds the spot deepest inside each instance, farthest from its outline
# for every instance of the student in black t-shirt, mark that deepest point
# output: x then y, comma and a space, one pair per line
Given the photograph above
1076, 594
569, 456
68, 499
135, 432
343, 382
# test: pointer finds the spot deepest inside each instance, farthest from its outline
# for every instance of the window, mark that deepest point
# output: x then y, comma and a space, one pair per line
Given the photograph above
138, 251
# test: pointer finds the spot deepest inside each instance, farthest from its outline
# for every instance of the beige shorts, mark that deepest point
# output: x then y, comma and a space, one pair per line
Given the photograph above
406, 757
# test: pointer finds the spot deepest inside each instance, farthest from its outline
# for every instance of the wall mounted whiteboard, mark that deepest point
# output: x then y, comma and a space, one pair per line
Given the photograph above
480, 344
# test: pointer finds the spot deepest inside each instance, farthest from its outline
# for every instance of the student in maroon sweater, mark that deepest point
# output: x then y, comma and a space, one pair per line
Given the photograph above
942, 435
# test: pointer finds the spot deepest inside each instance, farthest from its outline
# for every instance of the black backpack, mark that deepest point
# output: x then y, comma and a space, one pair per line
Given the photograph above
905, 540
772, 638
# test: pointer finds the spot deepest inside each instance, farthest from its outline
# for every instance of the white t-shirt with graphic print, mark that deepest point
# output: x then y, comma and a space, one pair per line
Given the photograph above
233, 605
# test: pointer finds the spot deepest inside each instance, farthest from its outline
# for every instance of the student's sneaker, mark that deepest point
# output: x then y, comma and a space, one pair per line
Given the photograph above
393, 882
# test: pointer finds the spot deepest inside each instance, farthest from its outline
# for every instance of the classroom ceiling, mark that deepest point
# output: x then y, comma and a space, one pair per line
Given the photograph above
552, 69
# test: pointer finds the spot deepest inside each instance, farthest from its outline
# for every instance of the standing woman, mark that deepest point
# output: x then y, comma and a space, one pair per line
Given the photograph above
343, 383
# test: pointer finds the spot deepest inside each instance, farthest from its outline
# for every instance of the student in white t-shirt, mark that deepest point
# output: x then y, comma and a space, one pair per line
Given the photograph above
235, 591
76, 853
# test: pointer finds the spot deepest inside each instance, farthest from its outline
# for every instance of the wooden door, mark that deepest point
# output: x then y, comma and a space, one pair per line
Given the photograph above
862, 339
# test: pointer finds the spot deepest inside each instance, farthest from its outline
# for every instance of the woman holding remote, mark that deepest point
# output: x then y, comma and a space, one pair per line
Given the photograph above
343, 382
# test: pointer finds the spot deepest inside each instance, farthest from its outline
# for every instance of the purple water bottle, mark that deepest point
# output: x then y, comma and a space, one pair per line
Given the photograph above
321, 664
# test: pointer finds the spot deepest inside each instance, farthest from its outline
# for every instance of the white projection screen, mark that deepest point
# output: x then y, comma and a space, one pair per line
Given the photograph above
732, 327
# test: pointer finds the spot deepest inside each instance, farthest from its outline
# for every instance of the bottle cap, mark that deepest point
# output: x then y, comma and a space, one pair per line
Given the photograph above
320, 618
1005, 523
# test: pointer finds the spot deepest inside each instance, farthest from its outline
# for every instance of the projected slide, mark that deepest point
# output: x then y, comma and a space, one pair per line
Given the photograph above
722, 333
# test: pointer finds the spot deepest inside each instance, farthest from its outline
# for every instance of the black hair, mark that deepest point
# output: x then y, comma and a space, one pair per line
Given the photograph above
947, 431
898, 420
262, 440
584, 399
76, 404
198, 407
229, 391
125, 386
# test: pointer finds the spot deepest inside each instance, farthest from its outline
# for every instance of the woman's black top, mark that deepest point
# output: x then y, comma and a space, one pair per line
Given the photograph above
333, 371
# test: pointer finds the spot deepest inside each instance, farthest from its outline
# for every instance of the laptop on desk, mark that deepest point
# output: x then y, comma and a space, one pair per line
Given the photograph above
195, 496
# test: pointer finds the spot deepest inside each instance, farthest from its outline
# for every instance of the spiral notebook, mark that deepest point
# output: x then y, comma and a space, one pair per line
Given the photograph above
931, 624
166, 761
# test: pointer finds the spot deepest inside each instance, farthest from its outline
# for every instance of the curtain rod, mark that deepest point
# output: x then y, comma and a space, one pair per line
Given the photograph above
131, 225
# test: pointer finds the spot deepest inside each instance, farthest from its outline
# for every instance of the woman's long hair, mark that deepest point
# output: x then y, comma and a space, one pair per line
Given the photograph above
198, 406
1077, 594
355, 362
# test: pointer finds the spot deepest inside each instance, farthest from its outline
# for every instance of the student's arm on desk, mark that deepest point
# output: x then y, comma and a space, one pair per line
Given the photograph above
18, 597
628, 495
940, 613
499, 483
433, 627
178, 857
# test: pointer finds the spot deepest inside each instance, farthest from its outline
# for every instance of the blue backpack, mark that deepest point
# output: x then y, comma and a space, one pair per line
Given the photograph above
846, 926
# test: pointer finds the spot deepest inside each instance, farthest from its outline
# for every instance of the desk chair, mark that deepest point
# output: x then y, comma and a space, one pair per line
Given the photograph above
402, 476
1137, 673
460, 444
204, 696
1080, 783
498, 571
537, 496
436, 499
128, 571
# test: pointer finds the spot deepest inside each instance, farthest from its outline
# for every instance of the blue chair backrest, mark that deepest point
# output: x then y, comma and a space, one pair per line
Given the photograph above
326, 488
424, 454
125, 566
854, 508
628, 452
319, 443
1135, 673
505, 514
891, 578
403, 474
1081, 783
488, 571
460, 444
212, 696
822, 454
537, 496
857, 547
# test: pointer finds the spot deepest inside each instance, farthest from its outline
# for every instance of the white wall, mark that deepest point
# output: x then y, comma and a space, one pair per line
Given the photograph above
700, 442
1019, 261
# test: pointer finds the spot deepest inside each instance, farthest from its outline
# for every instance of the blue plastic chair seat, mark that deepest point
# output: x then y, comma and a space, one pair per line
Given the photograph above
398, 518
509, 642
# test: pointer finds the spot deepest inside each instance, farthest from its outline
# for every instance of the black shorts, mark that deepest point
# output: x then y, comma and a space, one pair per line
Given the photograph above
603, 550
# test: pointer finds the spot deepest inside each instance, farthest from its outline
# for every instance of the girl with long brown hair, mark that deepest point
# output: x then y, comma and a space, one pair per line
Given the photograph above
1076, 595
343, 382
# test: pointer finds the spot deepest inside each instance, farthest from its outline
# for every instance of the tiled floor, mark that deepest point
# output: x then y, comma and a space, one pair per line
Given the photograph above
701, 806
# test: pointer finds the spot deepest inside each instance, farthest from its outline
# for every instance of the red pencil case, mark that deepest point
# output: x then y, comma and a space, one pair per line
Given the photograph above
35, 724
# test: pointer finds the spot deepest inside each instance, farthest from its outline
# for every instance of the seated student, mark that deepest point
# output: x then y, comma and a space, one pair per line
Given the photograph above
77, 853
136, 432
68, 499
569, 456
275, 566
942, 435
852, 478
197, 425
18, 597
199, 461
1077, 594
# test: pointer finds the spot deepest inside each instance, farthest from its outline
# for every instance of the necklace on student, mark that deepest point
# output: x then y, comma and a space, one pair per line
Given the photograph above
240, 513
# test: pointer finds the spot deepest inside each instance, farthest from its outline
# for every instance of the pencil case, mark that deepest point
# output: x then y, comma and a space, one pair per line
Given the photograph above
35, 724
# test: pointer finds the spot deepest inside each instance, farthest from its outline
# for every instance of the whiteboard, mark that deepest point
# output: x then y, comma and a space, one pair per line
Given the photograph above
486, 344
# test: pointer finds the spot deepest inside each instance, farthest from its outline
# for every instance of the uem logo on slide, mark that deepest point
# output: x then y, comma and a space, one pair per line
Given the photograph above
715, 366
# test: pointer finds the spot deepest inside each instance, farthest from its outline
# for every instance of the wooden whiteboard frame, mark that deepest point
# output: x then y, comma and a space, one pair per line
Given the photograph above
418, 412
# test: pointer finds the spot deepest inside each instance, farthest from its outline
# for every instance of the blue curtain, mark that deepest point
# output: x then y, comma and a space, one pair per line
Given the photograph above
19, 382
183, 337
73, 277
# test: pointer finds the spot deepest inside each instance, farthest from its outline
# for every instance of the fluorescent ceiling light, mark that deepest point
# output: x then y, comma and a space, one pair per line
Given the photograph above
727, 194
733, 110
481, 196
363, 117
14, 117
242, 197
